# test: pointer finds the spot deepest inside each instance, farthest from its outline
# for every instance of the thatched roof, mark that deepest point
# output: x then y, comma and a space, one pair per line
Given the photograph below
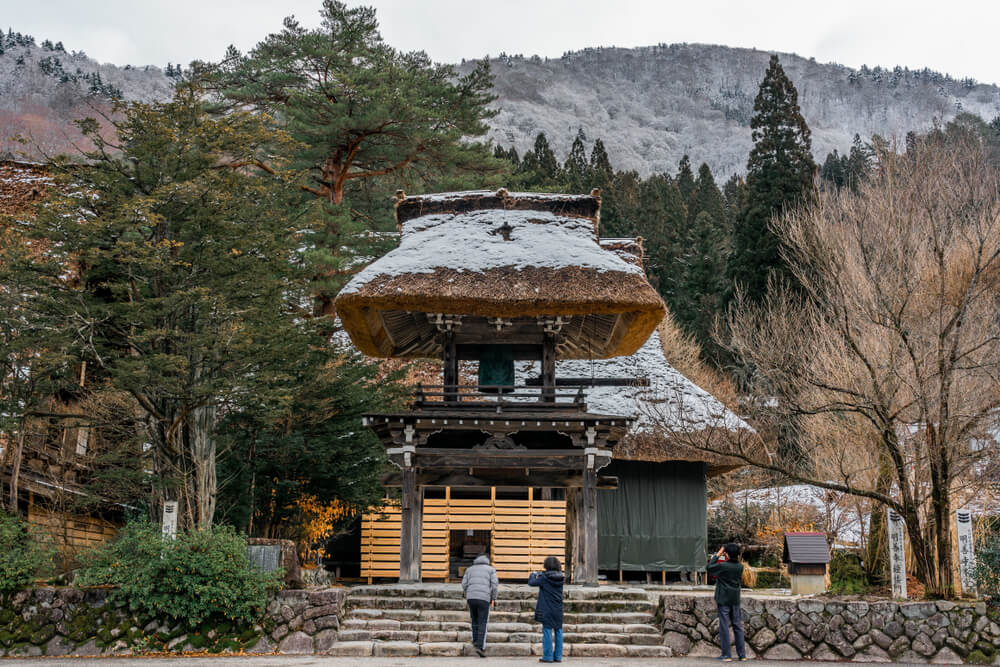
499, 255
669, 412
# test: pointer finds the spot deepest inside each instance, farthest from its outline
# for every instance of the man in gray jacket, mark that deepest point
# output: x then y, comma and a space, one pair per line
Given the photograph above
480, 586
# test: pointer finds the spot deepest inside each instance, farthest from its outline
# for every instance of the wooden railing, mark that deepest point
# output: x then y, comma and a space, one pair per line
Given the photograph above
499, 398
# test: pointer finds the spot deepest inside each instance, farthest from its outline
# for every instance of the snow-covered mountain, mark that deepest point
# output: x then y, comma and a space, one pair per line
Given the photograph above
652, 105
44, 87
649, 105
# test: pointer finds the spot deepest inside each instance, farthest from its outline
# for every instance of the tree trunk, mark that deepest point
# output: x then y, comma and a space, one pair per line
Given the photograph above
202, 448
877, 549
15, 467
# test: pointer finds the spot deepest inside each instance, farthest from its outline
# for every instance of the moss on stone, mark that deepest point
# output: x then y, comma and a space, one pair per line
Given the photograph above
978, 658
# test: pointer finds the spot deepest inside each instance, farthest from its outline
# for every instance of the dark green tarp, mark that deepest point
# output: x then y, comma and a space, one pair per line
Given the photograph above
656, 518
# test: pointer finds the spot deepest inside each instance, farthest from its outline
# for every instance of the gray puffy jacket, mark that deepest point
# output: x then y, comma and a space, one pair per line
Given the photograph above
480, 580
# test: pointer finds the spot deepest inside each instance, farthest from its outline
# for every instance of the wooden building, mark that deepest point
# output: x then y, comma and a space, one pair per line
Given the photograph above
494, 279
807, 555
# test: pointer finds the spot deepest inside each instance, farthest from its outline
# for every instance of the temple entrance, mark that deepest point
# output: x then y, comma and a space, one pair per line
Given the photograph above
463, 548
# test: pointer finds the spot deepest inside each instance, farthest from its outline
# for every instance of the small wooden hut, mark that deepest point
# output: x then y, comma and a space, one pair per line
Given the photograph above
807, 555
496, 278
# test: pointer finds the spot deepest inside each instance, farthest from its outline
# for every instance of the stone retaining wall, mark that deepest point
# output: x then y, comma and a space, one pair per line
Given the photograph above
83, 622
819, 629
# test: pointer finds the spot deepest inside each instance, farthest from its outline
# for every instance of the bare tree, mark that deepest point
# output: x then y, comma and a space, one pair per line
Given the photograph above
887, 362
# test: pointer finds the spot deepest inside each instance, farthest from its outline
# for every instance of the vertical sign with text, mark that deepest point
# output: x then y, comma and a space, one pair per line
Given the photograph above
966, 551
170, 519
897, 554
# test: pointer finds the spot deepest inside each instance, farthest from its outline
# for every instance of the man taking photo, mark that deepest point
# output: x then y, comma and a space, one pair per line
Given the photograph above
728, 573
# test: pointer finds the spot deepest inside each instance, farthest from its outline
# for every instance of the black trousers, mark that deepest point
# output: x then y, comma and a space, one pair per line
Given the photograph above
731, 616
479, 614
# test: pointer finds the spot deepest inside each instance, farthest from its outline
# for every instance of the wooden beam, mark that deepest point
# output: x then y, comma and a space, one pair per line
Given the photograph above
483, 478
572, 534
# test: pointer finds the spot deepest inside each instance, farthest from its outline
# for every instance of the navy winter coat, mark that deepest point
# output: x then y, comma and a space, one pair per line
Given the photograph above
549, 609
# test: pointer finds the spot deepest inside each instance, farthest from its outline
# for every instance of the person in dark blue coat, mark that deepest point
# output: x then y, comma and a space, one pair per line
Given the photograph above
549, 608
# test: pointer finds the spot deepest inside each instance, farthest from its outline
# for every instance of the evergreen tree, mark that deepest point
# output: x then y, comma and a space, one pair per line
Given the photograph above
600, 165
360, 111
780, 175
685, 180
859, 163
190, 277
834, 170
545, 161
576, 168
707, 198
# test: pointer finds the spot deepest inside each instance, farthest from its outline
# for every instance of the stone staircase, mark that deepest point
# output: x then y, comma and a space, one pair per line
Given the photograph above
433, 620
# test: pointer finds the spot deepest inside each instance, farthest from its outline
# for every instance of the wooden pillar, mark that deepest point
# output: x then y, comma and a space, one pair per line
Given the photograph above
588, 521
549, 369
411, 515
572, 531
450, 367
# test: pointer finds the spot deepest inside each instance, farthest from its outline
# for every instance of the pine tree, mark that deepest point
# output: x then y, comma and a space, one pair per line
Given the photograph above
858, 165
600, 165
780, 175
685, 180
707, 198
361, 112
576, 168
834, 170
545, 159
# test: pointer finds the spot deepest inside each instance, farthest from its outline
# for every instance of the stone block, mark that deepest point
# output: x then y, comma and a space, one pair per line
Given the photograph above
898, 647
894, 629
679, 644
396, 649
807, 606
923, 645
324, 640
782, 652
764, 639
442, 649
918, 609
824, 653
648, 651
599, 651
872, 654
297, 643
351, 649
800, 643
946, 657
704, 649
263, 645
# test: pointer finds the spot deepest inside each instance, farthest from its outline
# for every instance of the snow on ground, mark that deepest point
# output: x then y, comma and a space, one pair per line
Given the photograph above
478, 241
841, 512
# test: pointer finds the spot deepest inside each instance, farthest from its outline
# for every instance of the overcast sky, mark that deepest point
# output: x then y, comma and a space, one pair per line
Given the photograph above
956, 37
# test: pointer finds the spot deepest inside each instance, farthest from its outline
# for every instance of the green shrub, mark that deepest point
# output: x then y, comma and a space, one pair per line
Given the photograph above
771, 579
201, 575
988, 569
847, 577
25, 553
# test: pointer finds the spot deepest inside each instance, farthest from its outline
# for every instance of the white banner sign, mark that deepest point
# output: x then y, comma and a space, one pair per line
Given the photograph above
170, 519
897, 554
966, 551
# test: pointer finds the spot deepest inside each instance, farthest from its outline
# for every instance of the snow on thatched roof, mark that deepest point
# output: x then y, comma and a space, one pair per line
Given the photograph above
671, 406
500, 255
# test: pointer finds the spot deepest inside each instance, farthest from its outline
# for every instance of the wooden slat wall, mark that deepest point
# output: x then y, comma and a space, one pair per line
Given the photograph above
72, 533
524, 533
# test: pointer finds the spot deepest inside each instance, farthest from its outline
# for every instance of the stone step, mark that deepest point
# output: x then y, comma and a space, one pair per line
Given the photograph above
496, 626
435, 619
421, 604
442, 649
494, 636
507, 592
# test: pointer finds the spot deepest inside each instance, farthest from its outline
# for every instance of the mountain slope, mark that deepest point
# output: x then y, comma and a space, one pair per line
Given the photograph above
652, 105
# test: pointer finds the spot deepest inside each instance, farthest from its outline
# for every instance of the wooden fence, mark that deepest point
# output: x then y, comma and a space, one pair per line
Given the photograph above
523, 533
